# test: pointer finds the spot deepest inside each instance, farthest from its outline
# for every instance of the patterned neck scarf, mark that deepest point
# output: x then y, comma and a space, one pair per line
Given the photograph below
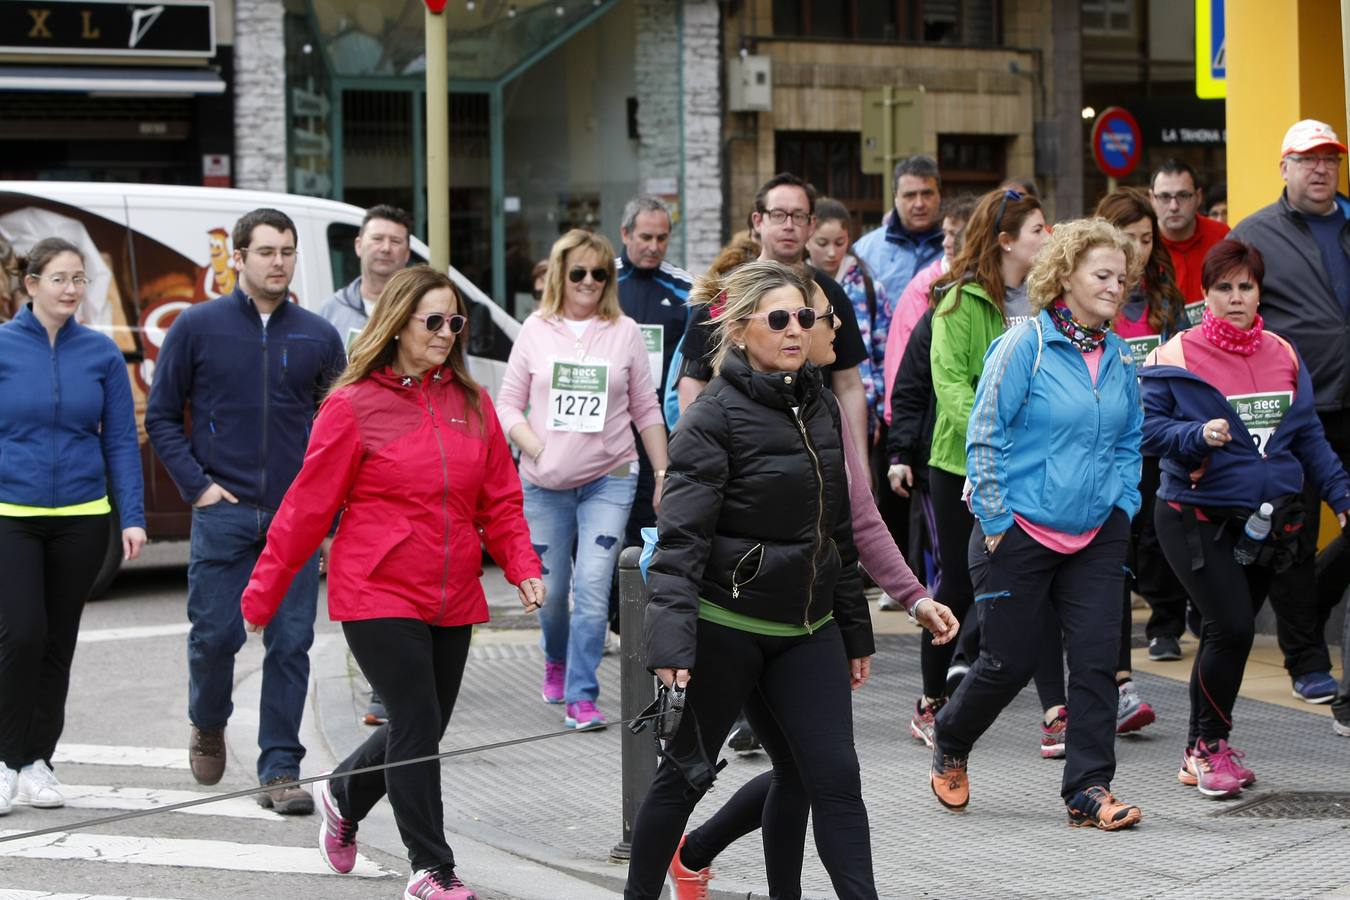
1227, 336
1084, 337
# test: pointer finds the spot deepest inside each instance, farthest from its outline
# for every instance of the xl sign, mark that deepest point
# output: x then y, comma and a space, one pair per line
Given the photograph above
175, 28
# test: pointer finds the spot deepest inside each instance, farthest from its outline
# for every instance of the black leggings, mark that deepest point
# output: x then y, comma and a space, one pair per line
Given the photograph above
416, 669
802, 685
49, 563
952, 523
1228, 596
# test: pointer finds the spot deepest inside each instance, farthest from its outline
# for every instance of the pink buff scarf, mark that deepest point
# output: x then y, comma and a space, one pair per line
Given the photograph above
1227, 336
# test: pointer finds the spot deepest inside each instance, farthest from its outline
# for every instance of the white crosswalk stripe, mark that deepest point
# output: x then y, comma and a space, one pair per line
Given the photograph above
6, 894
110, 755
99, 796
99, 635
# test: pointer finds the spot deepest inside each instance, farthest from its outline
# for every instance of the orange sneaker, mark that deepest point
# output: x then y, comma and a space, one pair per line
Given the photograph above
949, 781
686, 883
1095, 807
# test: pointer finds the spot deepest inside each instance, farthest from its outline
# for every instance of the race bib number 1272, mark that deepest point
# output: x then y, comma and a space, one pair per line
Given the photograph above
578, 396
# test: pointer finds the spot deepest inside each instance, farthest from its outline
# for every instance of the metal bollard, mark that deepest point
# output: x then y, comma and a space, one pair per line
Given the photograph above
637, 688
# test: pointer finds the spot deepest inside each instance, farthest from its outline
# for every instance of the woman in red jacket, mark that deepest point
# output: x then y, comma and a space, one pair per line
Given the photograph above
408, 448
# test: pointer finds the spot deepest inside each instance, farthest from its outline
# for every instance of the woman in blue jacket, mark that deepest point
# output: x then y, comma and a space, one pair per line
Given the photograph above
66, 423
1229, 407
1053, 463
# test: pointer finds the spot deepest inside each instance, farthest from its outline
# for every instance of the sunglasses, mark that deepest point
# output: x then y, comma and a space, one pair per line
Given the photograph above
436, 321
578, 275
778, 319
1009, 194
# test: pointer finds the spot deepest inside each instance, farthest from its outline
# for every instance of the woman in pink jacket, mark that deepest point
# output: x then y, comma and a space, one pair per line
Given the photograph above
408, 449
579, 366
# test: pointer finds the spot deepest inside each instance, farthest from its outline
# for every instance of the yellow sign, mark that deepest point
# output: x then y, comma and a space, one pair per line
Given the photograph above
1211, 67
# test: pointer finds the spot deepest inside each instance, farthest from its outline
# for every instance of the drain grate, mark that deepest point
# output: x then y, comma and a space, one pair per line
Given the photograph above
1294, 805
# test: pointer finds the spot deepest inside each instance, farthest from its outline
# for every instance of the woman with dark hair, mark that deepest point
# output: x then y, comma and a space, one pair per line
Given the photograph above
67, 429
754, 585
1053, 443
985, 295
1229, 407
1153, 313
408, 447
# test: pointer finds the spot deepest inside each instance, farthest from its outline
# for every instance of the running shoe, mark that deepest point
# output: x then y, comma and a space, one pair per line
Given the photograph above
1215, 771
1340, 719
555, 674
38, 787
1132, 713
440, 883
375, 712
887, 603
1315, 687
1096, 807
924, 719
584, 716
686, 883
337, 835
1052, 735
1164, 647
949, 780
742, 737
9, 788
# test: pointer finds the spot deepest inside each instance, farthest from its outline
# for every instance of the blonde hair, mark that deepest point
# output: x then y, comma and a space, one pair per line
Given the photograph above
741, 290
551, 303
1064, 250
375, 347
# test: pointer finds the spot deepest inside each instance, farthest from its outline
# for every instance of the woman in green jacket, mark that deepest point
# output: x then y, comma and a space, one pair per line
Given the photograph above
984, 295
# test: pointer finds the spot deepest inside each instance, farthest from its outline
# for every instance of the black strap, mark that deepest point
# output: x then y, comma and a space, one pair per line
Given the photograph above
1191, 525
871, 298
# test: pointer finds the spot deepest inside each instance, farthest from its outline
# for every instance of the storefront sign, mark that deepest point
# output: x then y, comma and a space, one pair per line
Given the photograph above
216, 170
1116, 144
172, 28
1176, 121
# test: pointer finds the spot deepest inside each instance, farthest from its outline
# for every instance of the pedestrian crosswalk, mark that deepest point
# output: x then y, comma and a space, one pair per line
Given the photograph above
6, 894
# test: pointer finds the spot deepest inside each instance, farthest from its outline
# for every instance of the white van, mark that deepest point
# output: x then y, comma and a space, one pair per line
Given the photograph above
152, 250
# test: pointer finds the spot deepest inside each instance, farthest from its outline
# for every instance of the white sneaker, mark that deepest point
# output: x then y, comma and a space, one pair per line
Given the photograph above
9, 788
38, 786
887, 603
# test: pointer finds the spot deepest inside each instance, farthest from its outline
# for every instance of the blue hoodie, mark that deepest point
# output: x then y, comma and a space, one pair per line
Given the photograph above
253, 392
894, 255
1177, 404
67, 421
1044, 441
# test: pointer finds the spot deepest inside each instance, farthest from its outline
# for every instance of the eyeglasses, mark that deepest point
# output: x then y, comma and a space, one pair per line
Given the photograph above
779, 216
578, 275
1180, 196
1009, 194
778, 318
827, 316
270, 253
436, 321
60, 281
1310, 163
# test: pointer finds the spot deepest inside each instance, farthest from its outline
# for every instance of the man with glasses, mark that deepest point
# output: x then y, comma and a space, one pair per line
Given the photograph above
383, 247
1187, 235
250, 368
1305, 296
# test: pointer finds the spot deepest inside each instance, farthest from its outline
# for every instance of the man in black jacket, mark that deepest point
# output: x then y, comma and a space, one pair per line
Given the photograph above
251, 367
1304, 238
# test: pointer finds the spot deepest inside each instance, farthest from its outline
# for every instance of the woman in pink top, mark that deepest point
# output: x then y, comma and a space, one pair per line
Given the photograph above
577, 383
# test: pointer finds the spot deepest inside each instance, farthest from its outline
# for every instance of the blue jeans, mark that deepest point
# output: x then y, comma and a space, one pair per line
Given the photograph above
226, 541
591, 517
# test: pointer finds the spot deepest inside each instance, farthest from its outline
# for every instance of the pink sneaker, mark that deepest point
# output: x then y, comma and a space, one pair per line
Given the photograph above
1052, 736
1214, 770
686, 883
583, 715
437, 884
554, 676
337, 836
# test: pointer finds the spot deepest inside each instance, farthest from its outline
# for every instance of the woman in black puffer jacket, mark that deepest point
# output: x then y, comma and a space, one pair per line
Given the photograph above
754, 583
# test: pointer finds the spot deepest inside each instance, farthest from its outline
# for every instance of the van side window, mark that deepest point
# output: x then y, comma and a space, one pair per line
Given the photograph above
342, 254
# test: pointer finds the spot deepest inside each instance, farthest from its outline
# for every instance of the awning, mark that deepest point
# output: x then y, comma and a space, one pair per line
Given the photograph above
82, 80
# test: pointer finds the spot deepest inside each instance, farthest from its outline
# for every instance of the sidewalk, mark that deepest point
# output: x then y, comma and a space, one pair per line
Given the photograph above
557, 802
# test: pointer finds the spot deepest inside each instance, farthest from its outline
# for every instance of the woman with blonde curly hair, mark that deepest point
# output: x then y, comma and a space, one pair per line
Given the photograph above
1053, 463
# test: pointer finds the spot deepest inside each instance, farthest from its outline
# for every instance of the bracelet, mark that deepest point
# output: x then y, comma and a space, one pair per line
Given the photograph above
914, 610
660, 473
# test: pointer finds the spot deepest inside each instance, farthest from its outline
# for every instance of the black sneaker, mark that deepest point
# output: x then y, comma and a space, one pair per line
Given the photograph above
742, 739
1164, 647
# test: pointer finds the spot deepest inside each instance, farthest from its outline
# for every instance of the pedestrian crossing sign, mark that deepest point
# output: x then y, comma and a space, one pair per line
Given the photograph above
1210, 51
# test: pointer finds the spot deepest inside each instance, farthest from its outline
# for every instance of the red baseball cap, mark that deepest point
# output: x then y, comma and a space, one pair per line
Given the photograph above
1309, 134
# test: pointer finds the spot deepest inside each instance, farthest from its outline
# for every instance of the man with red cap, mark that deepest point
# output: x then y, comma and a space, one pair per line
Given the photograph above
1305, 239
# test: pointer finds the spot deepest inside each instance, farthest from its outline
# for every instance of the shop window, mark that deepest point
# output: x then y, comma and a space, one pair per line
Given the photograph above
1109, 18
926, 21
972, 162
832, 162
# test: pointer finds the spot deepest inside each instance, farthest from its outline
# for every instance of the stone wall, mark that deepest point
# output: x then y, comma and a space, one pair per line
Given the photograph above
259, 95
702, 134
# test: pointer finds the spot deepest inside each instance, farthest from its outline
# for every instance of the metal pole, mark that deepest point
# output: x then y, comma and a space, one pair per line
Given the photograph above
888, 130
438, 141
637, 688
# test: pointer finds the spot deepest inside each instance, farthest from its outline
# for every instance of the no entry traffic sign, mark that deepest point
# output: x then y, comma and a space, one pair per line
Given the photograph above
1116, 142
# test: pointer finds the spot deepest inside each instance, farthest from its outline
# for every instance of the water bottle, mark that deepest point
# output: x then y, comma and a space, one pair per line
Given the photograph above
1254, 533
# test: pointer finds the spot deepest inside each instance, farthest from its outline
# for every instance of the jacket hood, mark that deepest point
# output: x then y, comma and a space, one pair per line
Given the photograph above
897, 233
350, 296
779, 390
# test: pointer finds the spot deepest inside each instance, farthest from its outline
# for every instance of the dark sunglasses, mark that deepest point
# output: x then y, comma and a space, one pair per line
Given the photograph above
436, 321
778, 319
1009, 194
578, 275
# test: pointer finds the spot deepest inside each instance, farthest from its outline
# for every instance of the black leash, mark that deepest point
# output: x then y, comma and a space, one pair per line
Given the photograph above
249, 792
